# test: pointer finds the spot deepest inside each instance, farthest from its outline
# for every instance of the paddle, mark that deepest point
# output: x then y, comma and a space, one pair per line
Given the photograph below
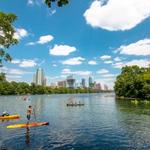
34, 114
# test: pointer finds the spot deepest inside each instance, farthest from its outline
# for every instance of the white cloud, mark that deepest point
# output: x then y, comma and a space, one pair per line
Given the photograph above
117, 14
108, 62
45, 39
80, 73
20, 33
28, 63
73, 61
105, 57
54, 65
92, 62
31, 43
16, 72
42, 40
30, 2
103, 71
66, 71
62, 50
141, 47
108, 76
9, 77
35, 2
140, 63
15, 61
13, 71
117, 59
118, 64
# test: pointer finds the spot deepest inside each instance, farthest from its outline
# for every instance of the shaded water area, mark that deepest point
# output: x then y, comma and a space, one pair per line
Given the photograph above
103, 123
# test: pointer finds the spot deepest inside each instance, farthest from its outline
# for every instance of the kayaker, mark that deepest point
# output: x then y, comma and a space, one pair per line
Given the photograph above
29, 112
5, 113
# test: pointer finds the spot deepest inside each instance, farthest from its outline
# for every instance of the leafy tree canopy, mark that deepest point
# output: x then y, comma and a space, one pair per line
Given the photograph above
2, 77
6, 35
133, 82
60, 3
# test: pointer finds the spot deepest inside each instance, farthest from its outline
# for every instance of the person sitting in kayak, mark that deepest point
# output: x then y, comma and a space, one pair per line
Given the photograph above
29, 112
5, 113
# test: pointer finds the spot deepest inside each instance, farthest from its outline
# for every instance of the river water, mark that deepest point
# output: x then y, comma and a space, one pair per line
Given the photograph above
103, 123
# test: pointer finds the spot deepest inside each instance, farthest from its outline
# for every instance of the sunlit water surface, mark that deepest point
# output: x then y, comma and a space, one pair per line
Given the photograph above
103, 123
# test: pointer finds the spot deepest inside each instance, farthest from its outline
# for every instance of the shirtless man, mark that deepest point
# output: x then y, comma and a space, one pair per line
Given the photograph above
29, 112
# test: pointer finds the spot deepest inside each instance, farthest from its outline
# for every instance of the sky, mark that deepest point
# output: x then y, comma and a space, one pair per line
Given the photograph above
85, 38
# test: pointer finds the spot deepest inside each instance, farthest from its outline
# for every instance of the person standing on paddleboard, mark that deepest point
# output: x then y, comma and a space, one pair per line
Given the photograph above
29, 112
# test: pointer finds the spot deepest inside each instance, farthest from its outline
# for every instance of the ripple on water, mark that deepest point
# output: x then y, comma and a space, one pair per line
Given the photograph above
102, 124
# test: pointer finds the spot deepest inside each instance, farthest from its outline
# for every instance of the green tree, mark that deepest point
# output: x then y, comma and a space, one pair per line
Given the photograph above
6, 35
133, 82
60, 3
2, 77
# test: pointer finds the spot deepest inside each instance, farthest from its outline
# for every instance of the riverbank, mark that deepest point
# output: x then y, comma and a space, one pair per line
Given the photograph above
131, 98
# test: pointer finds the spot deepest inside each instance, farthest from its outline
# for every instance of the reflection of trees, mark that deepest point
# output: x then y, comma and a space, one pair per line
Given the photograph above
27, 141
131, 107
133, 123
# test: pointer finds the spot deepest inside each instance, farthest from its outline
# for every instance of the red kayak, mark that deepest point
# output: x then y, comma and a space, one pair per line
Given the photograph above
33, 124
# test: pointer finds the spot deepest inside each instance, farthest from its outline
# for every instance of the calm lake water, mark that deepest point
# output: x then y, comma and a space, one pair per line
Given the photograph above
102, 124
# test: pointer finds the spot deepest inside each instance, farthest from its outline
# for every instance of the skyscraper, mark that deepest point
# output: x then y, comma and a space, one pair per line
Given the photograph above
70, 82
106, 87
90, 82
61, 83
83, 83
39, 77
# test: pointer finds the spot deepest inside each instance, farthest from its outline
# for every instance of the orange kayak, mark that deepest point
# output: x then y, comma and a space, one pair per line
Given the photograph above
9, 117
33, 124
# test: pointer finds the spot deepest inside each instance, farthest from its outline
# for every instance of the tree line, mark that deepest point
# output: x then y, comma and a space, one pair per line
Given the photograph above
22, 88
133, 82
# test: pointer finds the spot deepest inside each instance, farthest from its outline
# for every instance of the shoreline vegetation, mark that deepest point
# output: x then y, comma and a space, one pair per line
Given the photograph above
133, 83
22, 88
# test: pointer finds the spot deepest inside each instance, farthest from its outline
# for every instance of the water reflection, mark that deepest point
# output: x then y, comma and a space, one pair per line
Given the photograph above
27, 136
102, 123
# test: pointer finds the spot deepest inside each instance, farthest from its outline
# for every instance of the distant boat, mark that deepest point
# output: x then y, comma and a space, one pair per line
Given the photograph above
75, 104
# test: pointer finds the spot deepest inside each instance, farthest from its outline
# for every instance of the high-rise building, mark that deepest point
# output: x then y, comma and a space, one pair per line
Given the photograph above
83, 83
70, 82
98, 86
61, 83
90, 82
34, 78
39, 77
106, 87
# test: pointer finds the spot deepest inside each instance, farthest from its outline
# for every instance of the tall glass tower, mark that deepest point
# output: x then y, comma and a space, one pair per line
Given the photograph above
90, 82
39, 77
83, 83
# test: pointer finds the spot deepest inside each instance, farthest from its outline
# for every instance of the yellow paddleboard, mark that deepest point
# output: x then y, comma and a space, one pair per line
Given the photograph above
9, 117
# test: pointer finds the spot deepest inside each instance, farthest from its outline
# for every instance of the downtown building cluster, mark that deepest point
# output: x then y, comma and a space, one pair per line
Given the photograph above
70, 82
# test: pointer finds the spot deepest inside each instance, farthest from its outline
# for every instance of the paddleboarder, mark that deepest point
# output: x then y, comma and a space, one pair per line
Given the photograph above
29, 112
5, 113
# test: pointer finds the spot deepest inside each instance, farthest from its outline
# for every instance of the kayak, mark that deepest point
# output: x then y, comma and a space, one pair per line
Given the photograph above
33, 124
9, 117
75, 104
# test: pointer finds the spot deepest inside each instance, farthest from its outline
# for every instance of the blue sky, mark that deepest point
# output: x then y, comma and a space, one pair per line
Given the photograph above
85, 38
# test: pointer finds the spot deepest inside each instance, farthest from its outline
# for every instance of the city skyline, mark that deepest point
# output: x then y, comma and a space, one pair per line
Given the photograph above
92, 41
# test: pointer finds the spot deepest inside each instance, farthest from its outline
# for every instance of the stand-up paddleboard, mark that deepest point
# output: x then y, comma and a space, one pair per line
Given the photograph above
9, 117
33, 124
